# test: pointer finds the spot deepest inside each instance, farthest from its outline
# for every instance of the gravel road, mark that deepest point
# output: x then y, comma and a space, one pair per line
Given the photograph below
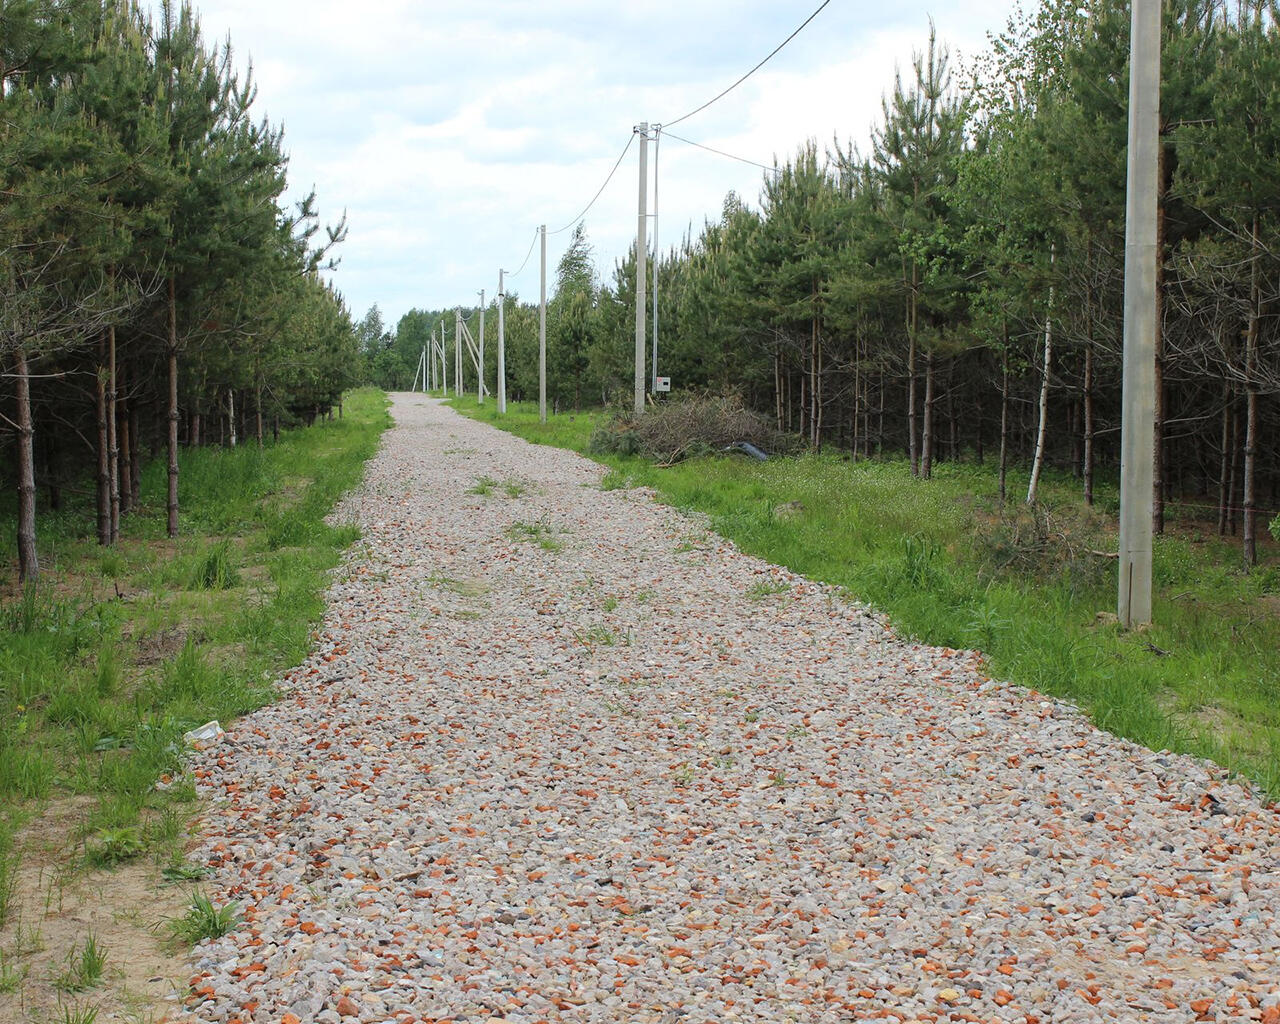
563, 754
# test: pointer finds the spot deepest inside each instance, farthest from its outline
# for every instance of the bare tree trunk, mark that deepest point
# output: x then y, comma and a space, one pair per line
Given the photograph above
28, 563
104, 447
880, 420
173, 410
777, 387
1234, 474
1088, 423
813, 376
113, 434
1158, 453
926, 441
257, 401
1224, 464
231, 414
1250, 503
1004, 414
1037, 461
912, 312
857, 395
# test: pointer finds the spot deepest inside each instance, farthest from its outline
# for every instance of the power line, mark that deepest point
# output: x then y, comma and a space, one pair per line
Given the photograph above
735, 85
527, 255
720, 152
616, 165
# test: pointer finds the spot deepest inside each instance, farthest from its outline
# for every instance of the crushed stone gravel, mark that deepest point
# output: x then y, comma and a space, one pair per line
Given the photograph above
561, 753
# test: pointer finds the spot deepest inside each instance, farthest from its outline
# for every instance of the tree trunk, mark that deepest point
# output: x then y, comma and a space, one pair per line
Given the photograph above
912, 312
231, 414
173, 410
1250, 489
926, 441
257, 401
28, 563
857, 395
1224, 464
113, 433
104, 448
1088, 423
777, 387
1037, 461
1004, 414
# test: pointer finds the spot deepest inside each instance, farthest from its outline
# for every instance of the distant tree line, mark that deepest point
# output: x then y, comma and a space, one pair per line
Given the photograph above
955, 292
154, 291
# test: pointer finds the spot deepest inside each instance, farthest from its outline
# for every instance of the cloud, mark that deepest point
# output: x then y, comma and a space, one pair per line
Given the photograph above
450, 131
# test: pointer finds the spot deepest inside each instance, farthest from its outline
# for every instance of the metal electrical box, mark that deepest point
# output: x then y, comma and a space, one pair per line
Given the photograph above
662, 384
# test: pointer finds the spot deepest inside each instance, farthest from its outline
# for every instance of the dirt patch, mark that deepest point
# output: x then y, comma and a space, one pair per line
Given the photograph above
58, 905
160, 646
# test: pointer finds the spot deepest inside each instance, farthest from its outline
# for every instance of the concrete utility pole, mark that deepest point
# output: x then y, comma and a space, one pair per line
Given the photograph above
502, 350
457, 351
1137, 426
542, 334
642, 261
444, 364
480, 386
657, 139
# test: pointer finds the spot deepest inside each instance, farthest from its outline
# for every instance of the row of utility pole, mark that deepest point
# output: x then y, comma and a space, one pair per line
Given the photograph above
1138, 416
460, 329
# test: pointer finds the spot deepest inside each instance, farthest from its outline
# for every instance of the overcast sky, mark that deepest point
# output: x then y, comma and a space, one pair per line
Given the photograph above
449, 129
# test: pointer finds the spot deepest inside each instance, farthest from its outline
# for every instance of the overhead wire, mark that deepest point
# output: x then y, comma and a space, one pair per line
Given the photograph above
526, 255
600, 191
659, 129
720, 152
720, 96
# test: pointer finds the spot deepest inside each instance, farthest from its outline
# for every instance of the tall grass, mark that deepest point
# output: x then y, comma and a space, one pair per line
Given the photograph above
1026, 586
95, 692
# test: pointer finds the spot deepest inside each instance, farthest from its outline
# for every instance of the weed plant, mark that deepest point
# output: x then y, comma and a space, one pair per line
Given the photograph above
85, 965
1032, 587
203, 920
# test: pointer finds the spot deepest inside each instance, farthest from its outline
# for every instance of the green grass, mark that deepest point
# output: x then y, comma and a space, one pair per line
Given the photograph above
1027, 587
85, 965
203, 920
96, 691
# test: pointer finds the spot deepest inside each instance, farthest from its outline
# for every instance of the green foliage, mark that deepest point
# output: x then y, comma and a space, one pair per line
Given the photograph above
203, 920
85, 964
111, 846
95, 693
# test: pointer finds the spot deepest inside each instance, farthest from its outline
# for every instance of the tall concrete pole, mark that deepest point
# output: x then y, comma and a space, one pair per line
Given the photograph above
642, 261
502, 350
657, 139
444, 363
480, 385
1137, 425
457, 351
542, 334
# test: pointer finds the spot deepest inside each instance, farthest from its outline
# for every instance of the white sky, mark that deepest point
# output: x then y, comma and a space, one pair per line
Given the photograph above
450, 129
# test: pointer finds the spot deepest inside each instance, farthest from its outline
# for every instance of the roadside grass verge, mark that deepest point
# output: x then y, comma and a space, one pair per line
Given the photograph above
118, 651
1030, 587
